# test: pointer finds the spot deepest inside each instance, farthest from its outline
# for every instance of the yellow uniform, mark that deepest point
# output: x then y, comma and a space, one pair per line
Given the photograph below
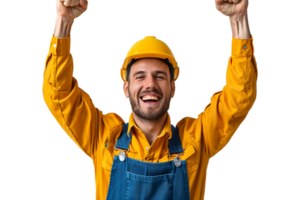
201, 138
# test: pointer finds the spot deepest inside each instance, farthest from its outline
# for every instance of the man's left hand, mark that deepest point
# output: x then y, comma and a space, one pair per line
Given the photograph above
232, 7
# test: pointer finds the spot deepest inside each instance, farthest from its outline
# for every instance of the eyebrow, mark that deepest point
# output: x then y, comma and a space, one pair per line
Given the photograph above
143, 72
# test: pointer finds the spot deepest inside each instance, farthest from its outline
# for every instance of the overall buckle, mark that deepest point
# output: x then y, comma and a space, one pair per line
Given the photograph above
177, 161
122, 154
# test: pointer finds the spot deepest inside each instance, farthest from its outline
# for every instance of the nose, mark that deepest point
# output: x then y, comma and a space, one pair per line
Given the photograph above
150, 83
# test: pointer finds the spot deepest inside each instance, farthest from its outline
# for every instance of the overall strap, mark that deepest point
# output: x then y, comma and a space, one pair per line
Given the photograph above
175, 145
124, 140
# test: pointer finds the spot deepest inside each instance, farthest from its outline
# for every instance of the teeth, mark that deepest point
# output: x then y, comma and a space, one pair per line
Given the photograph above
148, 97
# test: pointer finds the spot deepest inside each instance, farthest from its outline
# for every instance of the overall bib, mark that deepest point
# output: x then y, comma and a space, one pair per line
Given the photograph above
132, 179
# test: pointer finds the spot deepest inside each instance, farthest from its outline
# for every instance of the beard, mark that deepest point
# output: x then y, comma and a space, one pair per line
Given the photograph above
150, 114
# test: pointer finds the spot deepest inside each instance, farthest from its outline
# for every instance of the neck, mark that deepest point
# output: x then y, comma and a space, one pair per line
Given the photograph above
150, 128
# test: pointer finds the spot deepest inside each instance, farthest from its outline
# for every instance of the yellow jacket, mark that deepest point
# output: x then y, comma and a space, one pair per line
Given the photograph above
96, 133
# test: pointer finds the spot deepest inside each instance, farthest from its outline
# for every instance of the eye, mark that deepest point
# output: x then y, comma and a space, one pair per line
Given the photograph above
139, 77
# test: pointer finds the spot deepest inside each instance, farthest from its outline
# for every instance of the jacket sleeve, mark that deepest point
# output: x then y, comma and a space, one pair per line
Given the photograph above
70, 105
229, 107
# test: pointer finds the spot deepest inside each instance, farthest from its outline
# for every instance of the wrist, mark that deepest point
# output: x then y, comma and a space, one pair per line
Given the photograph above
63, 26
239, 26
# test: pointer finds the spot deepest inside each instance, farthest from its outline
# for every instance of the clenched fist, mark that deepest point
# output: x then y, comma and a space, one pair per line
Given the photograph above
71, 8
232, 7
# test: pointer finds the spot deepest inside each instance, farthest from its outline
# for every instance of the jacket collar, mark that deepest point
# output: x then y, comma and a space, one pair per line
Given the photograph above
166, 130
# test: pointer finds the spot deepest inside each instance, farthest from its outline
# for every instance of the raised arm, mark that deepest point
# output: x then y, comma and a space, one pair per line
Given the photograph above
71, 107
229, 107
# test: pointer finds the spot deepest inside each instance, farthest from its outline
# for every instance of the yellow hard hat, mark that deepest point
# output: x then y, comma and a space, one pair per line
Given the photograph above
150, 47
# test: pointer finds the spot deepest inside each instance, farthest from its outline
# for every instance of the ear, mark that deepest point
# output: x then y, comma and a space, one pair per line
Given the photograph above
125, 88
173, 89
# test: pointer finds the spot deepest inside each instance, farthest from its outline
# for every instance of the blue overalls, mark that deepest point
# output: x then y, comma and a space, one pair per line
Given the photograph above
132, 179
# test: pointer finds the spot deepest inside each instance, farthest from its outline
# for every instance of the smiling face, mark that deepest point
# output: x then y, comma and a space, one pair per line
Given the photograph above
150, 88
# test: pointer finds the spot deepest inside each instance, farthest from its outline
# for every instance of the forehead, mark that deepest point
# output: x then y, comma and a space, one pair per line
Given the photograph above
149, 65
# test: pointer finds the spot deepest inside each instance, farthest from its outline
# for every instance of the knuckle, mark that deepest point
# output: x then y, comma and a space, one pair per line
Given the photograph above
67, 2
72, 2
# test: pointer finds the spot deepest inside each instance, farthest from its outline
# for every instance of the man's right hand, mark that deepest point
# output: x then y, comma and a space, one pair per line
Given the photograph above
71, 9
66, 13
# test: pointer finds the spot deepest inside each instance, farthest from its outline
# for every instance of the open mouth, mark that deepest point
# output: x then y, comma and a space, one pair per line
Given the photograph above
150, 101
150, 98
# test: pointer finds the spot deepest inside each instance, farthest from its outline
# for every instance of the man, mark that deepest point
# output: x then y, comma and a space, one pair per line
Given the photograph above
148, 158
